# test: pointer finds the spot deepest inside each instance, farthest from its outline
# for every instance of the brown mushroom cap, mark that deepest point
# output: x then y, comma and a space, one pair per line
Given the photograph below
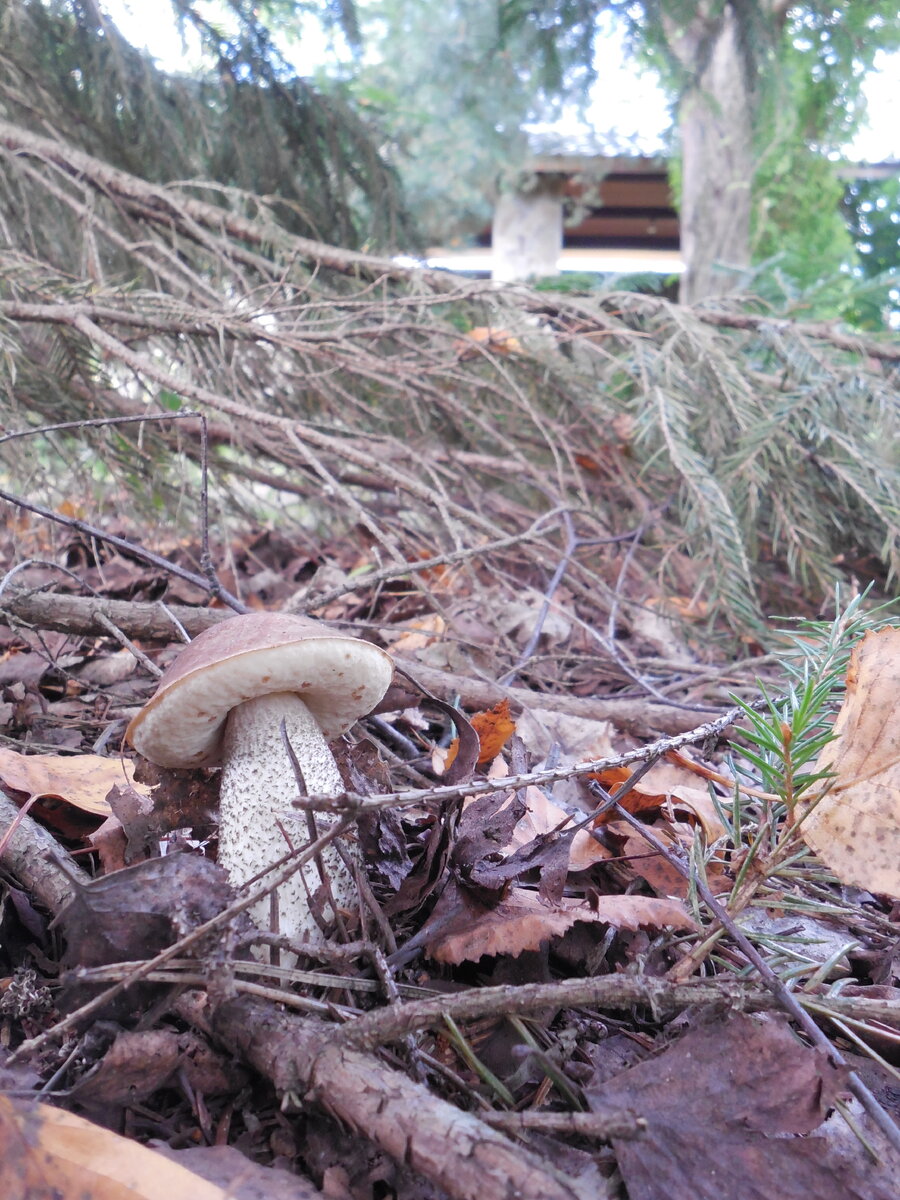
339, 678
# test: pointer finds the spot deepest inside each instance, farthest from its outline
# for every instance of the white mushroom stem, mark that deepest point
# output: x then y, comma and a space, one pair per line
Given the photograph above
257, 784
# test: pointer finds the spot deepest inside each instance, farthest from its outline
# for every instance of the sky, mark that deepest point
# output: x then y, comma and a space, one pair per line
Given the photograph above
630, 107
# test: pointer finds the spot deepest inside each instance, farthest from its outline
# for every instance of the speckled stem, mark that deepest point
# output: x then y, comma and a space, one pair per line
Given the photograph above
257, 785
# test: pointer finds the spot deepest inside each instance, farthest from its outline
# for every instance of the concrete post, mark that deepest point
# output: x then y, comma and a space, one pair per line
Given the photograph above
527, 233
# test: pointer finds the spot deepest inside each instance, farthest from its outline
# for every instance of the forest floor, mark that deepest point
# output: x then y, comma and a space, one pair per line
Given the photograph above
591, 955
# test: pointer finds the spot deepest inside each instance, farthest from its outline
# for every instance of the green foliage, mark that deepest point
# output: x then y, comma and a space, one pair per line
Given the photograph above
811, 106
788, 733
872, 211
780, 455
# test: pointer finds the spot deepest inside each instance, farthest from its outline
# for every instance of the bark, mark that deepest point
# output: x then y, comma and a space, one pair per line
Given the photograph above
453, 1149
715, 122
36, 860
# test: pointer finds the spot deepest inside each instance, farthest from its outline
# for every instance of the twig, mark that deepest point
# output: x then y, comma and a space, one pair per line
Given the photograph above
622, 1125
573, 543
357, 803
372, 578
605, 992
115, 632
132, 548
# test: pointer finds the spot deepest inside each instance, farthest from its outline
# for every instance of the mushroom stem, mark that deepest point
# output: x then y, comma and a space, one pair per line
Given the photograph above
257, 784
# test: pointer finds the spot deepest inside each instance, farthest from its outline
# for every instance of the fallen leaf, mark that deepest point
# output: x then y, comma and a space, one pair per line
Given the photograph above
523, 921
666, 784
80, 780
579, 739
417, 634
47, 1152
541, 817
494, 728
522, 617
729, 1111
499, 341
855, 828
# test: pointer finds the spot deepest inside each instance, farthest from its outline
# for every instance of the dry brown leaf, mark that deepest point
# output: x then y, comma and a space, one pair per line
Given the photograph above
579, 739
521, 616
855, 828
729, 1114
48, 1152
541, 817
667, 783
494, 728
82, 781
656, 869
522, 921
417, 634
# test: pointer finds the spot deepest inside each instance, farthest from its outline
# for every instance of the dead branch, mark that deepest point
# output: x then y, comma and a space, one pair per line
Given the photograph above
454, 1149
606, 993
153, 622
35, 859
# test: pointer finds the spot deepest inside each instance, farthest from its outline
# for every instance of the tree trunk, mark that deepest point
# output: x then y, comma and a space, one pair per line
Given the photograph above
716, 129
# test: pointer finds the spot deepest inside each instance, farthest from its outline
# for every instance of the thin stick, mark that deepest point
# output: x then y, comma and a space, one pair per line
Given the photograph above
132, 548
356, 803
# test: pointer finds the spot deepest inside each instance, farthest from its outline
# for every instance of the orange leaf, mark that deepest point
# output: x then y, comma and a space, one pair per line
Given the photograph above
494, 728
666, 783
500, 341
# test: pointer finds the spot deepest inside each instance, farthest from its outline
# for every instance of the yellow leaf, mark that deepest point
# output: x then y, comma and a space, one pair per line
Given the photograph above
81, 780
47, 1152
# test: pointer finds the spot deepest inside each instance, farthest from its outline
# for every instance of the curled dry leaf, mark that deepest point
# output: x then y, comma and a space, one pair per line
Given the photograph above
494, 728
541, 817
523, 921
855, 828
667, 783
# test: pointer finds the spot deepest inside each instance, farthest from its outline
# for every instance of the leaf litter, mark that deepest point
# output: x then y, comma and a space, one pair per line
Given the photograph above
513, 888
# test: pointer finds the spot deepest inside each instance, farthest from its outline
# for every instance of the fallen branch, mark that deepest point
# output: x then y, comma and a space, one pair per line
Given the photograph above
455, 1150
607, 992
153, 622
33, 856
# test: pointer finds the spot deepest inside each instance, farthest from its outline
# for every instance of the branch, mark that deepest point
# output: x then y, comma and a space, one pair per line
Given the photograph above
154, 622
886, 351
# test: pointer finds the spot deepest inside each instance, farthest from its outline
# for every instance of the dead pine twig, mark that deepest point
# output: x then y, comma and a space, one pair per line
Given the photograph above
357, 803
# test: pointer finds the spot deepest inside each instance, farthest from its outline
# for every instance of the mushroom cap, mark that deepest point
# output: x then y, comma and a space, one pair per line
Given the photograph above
339, 678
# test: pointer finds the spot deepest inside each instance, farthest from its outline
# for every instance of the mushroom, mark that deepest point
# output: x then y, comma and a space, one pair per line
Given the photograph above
221, 703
